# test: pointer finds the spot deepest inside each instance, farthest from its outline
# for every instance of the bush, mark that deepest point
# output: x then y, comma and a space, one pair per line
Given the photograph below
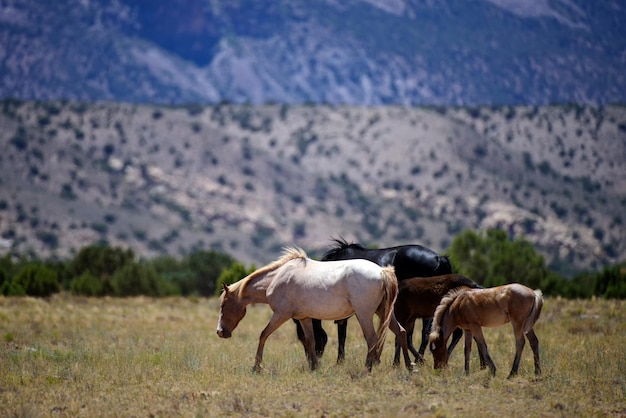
206, 267
137, 279
86, 284
611, 282
101, 261
232, 274
10, 288
35, 280
492, 259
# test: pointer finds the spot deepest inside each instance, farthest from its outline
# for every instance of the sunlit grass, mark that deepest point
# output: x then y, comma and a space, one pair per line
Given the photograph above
73, 356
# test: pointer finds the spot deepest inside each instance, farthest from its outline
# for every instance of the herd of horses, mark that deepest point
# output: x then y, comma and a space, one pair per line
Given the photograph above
399, 285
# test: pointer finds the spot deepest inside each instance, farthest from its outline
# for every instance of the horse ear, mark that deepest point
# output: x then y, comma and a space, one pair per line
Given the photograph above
225, 287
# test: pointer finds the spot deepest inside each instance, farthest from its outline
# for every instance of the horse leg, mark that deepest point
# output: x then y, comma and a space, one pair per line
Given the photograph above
410, 327
520, 341
396, 352
309, 342
426, 327
481, 356
477, 332
321, 338
399, 344
401, 341
534, 344
367, 325
467, 351
300, 333
275, 321
342, 329
456, 337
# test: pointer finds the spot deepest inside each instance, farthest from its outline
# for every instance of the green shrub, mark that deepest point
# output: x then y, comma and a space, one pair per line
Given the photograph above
101, 260
137, 279
232, 274
611, 282
10, 288
37, 280
86, 284
491, 258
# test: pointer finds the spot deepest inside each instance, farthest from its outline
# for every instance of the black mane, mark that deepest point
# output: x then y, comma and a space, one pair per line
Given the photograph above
340, 245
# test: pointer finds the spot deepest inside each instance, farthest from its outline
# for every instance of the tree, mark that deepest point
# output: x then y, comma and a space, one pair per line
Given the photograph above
176, 272
136, 279
469, 256
611, 282
491, 258
101, 262
6, 269
235, 272
206, 267
36, 280
86, 284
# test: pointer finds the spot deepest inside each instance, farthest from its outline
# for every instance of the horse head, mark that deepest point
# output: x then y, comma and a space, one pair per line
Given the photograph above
232, 310
441, 328
438, 349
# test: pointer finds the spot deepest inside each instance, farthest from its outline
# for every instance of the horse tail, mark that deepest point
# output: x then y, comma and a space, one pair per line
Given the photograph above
535, 312
390, 294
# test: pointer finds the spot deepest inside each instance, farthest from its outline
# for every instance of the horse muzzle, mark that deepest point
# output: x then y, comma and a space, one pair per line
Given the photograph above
224, 333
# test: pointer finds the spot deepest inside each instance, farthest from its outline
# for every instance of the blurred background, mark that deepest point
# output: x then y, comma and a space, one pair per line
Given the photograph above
221, 131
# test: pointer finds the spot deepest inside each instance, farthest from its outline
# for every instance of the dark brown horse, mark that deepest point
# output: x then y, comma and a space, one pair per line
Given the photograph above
472, 309
419, 297
408, 260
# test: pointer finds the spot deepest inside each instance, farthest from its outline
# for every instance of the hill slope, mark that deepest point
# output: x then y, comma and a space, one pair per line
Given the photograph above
248, 180
366, 52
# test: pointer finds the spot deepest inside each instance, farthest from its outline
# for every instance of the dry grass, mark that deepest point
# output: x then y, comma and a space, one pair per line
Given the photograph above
73, 356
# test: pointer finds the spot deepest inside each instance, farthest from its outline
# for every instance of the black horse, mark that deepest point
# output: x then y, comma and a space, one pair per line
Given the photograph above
409, 261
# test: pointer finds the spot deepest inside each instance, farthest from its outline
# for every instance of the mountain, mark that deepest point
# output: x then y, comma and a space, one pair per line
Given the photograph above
248, 180
360, 52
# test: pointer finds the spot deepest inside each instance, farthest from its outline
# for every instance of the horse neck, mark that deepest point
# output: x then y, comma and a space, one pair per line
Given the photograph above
255, 289
446, 326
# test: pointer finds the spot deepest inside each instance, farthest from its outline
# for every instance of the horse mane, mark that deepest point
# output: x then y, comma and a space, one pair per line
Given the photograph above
289, 253
443, 307
341, 244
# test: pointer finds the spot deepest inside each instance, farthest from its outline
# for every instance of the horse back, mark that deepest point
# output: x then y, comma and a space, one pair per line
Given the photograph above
419, 296
417, 261
326, 289
496, 306
353, 275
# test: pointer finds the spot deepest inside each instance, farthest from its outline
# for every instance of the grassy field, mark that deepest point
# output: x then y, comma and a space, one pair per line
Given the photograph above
73, 356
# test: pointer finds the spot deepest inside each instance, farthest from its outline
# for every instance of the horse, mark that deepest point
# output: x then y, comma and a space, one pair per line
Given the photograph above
418, 297
298, 287
472, 309
408, 260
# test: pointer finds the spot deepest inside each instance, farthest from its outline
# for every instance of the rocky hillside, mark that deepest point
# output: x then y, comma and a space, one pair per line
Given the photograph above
250, 179
362, 52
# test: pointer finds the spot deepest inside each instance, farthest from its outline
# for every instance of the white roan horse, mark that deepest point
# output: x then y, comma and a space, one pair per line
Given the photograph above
298, 287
